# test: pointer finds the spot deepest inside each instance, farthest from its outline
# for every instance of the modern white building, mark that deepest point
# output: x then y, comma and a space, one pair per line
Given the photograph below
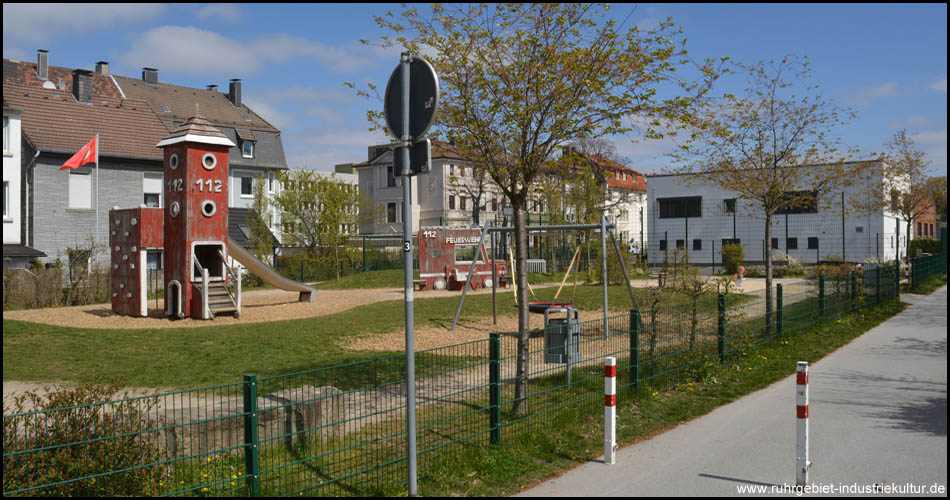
699, 218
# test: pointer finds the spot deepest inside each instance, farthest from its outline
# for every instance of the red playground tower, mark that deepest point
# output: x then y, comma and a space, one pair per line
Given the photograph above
196, 217
192, 227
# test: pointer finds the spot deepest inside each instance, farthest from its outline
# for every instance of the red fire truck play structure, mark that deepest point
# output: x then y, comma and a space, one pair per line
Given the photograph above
445, 259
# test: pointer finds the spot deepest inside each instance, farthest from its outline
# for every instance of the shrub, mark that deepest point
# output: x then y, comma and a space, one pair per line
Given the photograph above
67, 435
732, 256
926, 245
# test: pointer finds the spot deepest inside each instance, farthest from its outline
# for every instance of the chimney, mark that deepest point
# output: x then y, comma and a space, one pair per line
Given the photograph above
102, 67
42, 64
212, 87
82, 85
150, 75
234, 94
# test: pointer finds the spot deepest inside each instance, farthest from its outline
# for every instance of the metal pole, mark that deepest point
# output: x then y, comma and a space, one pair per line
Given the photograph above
801, 425
471, 272
494, 284
844, 256
603, 263
407, 279
610, 410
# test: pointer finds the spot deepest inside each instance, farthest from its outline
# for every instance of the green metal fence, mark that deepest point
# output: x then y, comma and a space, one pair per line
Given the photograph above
341, 430
923, 268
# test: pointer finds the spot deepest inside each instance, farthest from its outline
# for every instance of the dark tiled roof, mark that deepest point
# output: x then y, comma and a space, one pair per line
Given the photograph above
239, 229
54, 121
180, 102
24, 73
635, 181
11, 250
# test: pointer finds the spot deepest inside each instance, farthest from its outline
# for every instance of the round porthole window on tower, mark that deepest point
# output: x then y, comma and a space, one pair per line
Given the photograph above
173, 161
209, 161
208, 208
174, 209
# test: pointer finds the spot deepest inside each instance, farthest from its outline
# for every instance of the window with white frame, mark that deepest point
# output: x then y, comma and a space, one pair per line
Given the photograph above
80, 189
152, 189
6, 134
247, 149
6, 199
247, 186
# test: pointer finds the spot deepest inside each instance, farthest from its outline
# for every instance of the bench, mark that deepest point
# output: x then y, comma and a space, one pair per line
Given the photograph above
418, 284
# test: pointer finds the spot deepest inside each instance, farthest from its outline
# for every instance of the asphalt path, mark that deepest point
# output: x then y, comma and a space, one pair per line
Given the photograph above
877, 417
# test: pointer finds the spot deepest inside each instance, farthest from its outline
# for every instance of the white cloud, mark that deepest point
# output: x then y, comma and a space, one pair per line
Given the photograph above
194, 51
227, 12
865, 95
940, 84
270, 113
37, 23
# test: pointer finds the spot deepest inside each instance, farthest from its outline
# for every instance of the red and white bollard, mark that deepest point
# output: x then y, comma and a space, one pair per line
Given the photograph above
610, 410
802, 463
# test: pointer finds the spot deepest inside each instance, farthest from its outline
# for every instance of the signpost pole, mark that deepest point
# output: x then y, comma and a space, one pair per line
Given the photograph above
405, 141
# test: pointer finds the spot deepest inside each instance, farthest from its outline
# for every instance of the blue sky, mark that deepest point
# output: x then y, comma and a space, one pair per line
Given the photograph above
888, 62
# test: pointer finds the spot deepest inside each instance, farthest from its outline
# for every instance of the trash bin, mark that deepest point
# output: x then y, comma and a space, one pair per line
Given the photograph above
561, 335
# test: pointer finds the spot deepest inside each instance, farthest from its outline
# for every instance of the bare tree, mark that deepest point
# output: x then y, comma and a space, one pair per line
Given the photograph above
772, 146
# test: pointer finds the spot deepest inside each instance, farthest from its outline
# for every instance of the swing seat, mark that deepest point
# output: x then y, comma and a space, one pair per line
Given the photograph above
541, 307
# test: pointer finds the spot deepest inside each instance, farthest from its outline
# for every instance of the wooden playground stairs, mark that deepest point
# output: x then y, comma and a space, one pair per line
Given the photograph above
220, 300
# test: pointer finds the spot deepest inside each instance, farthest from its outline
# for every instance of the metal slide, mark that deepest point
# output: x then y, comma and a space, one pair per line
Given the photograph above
266, 273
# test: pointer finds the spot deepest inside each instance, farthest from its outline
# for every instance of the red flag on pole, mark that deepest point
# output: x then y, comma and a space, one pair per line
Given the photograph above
87, 154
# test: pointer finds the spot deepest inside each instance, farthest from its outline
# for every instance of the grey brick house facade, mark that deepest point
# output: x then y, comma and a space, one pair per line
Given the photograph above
63, 109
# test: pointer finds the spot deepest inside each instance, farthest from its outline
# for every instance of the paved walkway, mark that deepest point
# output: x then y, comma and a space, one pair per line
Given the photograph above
878, 416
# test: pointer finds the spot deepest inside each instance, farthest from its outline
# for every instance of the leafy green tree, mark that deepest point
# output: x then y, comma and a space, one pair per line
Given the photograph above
260, 243
319, 213
521, 80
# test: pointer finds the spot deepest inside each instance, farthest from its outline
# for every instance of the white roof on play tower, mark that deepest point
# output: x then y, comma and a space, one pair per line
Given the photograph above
199, 130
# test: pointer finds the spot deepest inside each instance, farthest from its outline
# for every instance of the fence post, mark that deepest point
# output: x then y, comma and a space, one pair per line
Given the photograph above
635, 348
913, 273
252, 457
494, 388
364, 254
854, 291
897, 276
721, 331
778, 306
821, 297
877, 284
610, 410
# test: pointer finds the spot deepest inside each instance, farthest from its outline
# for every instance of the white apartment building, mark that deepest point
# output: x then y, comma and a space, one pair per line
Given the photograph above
442, 197
701, 218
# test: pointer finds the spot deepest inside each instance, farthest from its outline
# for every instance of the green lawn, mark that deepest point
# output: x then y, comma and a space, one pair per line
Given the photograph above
180, 358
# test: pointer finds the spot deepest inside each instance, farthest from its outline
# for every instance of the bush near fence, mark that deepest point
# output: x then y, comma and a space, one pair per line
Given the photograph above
341, 430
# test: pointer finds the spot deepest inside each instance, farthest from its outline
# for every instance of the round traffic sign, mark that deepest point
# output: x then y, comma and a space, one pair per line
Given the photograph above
423, 99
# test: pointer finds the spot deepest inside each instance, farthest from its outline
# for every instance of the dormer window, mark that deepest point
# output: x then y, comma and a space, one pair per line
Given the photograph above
247, 149
166, 109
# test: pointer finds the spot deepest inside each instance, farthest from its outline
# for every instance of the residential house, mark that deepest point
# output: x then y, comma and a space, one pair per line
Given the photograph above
624, 199
443, 197
16, 255
63, 109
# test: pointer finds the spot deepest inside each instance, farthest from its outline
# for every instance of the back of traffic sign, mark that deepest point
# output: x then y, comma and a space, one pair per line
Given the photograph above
423, 99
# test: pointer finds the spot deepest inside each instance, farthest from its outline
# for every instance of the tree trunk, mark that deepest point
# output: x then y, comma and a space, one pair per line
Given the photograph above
520, 405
